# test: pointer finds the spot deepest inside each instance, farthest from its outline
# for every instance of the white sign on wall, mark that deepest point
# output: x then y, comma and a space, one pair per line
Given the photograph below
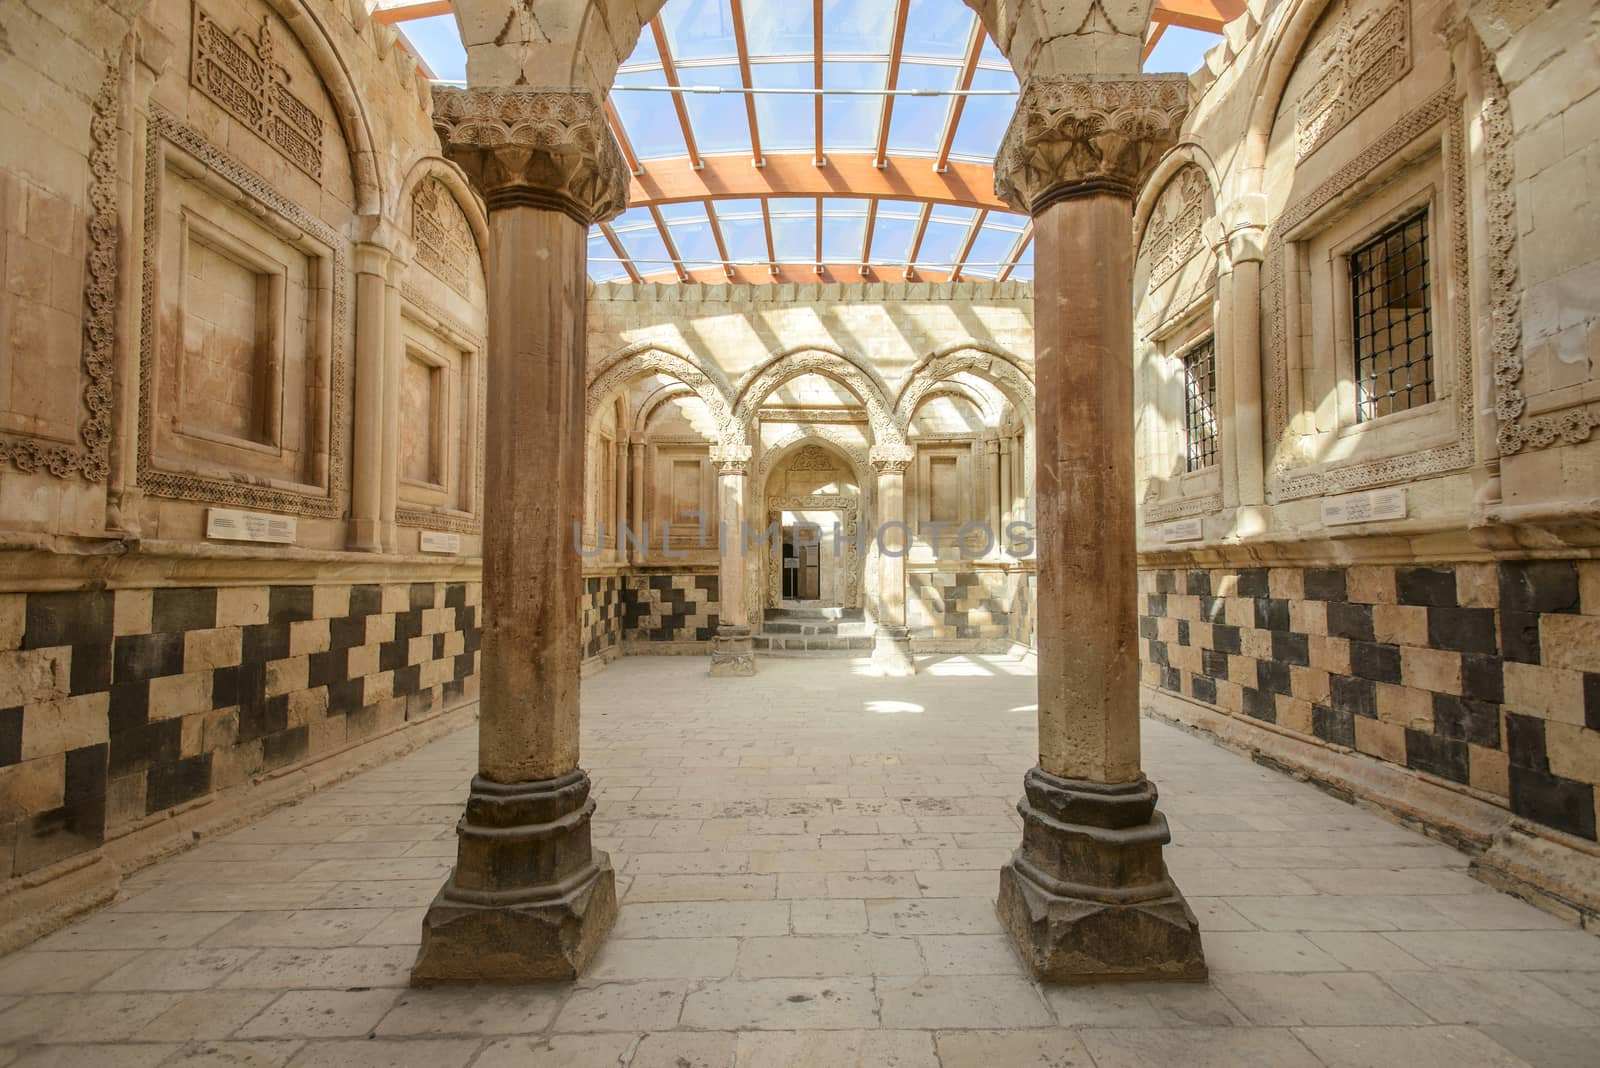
1369, 507
1192, 529
437, 541
230, 524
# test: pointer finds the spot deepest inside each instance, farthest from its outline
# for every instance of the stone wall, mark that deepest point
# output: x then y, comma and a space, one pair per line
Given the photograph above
957, 606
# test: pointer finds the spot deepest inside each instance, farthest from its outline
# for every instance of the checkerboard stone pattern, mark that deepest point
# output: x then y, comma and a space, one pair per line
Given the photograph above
1484, 674
959, 604
117, 706
602, 614
671, 607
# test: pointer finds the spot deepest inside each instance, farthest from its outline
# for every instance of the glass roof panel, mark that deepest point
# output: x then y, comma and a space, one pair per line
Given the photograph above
919, 120
693, 211
649, 118
984, 121
644, 53
842, 236
794, 230
952, 213
698, 29
941, 243
746, 237
778, 27
720, 123
696, 244
1024, 269
1180, 51
857, 27
991, 56
891, 238
938, 28
438, 41
599, 250
645, 247
786, 122
729, 209
992, 247
851, 122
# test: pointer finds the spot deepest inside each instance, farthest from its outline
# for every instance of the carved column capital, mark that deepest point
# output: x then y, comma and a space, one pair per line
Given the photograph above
731, 459
891, 459
531, 147
1085, 134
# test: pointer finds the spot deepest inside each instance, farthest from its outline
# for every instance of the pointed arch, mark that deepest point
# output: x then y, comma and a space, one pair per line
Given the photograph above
651, 357
455, 180
850, 371
1000, 368
1188, 153
831, 438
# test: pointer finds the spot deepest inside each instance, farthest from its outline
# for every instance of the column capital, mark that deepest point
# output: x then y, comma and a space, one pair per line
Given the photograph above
1078, 135
530, 147
731, 459
1243, 223
891, 459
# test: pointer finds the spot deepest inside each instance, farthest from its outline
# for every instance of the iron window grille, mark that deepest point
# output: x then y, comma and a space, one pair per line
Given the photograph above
1200, 405
1392, 320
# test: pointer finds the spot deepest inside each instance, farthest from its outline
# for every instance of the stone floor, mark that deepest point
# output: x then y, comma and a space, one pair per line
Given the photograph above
806, 864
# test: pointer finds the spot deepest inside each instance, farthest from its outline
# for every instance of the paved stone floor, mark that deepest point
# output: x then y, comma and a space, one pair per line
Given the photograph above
806, 863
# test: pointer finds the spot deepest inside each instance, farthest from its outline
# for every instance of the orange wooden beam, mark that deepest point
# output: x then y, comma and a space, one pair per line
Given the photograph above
672, 246
1207, 15
716, 234
958, 104
816, 74
622, 253
408, 12
902, 9
668, 181
966, 245
670, 72
772, 250
866, 240
1015, 255
916, 241
743, 49
634, 166
803, 273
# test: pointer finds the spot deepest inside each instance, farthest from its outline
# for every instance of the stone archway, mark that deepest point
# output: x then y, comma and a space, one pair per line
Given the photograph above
849, 371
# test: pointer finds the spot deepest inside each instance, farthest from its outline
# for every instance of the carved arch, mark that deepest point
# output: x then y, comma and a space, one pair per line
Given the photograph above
987, 361
1186, 154
985, 405
651, 404
649, 357
831, 438
848, 370
455, 180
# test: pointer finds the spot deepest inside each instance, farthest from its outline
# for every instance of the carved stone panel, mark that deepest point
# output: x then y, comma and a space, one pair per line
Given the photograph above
1364, 48
445, 245
1173, 236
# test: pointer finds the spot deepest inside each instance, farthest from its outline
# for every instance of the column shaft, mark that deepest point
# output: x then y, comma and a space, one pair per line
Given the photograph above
1245, 325
891, 644
366, 494
733, 649
394, 354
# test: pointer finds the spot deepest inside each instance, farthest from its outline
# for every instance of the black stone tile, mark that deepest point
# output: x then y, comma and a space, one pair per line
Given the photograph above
1198, 583
224, 687
191, 608
265, 641
394, 655
347, 632
466, 617
465, 665
1260, 704
1325, 584
172, 784
128, 706
140, 657
1430, 586
1272, 613
1291, 648
1535, 586
407, 680
1203, 688
422, 595
288, 604
1272, 675
264, 717
1352, 621
1157, 603
91, 669
455, 594
366, 600
1525, 743
1436, 755
438, 646
1359, 697
10, 736
1553, 801
85, 778
1483, 678
1333, 725
408, 625
1158, 653
325, 669
1225, 639
1213, 610
453, 692
160, 742
1183, 632
1172, 679
346, 697
1377, 661
72, 618
1253, 582
1519, 636
473, 638
1467, 720
1463, 630
285, 747
1166, 581
1591, 700
1147, 628
1214, 663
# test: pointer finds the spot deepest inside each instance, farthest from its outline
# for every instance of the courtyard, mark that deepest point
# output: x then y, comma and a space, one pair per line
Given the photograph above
806, 864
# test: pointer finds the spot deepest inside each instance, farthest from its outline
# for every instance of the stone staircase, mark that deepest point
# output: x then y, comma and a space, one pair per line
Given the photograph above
806, 631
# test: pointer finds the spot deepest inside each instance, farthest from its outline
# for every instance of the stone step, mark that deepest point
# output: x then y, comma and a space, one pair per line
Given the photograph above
816, 613
813, 645
826, 628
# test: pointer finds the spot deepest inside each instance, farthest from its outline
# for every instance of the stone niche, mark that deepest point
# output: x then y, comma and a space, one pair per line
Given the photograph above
439, 423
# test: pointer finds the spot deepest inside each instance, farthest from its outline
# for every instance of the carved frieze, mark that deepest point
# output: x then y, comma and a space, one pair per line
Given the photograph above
545, 148
1082, 134
812, 458
1174, 236
241, 74
1367, 50
445, 245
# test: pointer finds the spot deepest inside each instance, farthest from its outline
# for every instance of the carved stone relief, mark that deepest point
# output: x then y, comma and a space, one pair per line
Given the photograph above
849, 531
1173, 236
1367, 50
241, 74
755, 390
445, 245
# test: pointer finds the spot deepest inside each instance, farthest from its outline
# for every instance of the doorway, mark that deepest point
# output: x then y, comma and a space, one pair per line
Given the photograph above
802, 562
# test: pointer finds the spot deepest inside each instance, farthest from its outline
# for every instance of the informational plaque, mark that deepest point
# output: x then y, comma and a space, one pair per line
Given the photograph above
437, 541
230, 524
1192, 529
1369, 507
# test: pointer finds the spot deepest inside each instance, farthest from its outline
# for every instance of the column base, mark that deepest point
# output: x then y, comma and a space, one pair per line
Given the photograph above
733, 653
891, 653
529, 897
1087, 897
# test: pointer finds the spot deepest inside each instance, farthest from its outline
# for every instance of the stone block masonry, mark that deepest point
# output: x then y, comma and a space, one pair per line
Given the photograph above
121, 706
1485, 675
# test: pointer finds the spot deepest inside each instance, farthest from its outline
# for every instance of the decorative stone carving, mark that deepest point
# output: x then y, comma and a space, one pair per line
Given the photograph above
731, 459
849, 508
893, 459
1180, 508
649, 358
542, 148
1173, 237
446, 247
1009, 375
756, 387
812, 458
1366, 52
852, 450
1075, 136
241, 75
90, 459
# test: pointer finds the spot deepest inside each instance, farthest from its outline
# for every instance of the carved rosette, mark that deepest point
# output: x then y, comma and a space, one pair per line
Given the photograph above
529, 147
1081, 135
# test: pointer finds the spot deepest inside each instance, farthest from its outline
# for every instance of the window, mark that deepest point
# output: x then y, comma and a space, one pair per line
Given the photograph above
1392, 320
1200, 405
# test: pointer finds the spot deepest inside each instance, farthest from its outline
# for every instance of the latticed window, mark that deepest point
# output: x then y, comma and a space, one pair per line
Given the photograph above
1200, 405
1393, 320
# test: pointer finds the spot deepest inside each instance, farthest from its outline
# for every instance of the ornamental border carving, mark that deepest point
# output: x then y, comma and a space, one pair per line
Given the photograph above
1442, 107
754, 389
446, 246
90, 458
167, 129
1356, 71
470, 522
849, 525
1574, 424
1181, 508
650, 358
1174, 240
855, 452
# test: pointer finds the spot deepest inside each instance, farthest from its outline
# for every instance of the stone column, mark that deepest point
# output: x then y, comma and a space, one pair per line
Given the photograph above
1246, 249
1007, 501
891, 643
529, 897
637, 454
620, 493
733, 650
991, 448
394, 355
1087, 895
366, 481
